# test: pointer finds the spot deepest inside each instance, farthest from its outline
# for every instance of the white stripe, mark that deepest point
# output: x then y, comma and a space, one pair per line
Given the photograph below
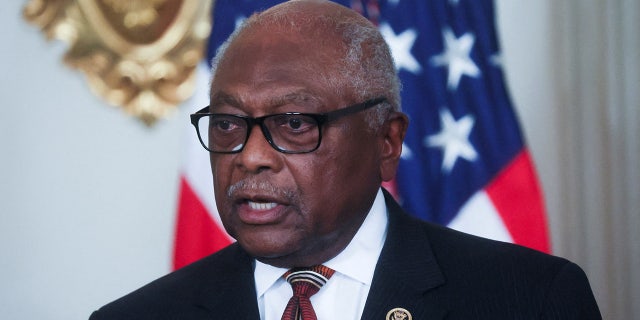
480, 217
309, 276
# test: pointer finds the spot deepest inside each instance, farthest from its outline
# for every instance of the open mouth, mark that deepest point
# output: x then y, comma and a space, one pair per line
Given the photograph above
261, 211
260, 203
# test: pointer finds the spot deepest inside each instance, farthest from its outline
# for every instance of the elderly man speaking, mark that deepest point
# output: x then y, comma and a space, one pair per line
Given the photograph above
303, 126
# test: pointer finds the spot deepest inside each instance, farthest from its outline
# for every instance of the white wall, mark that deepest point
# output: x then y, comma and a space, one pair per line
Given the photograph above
525, 29
87, 194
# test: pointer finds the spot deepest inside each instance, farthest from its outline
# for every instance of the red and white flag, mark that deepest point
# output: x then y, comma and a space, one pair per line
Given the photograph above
199, 231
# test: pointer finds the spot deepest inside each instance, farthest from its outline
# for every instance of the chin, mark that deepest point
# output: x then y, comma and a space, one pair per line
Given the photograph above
265, 249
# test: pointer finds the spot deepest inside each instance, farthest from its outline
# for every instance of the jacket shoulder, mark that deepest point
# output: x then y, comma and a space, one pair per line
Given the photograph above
498, 272
175, 295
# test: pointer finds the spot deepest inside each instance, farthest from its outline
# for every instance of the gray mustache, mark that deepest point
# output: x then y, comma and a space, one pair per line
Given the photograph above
260, 187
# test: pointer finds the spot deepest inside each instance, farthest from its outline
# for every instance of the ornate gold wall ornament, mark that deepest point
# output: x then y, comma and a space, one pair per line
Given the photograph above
140, 55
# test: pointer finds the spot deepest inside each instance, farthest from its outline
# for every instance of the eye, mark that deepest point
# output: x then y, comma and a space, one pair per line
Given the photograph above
294, 123
225, 124
222, 125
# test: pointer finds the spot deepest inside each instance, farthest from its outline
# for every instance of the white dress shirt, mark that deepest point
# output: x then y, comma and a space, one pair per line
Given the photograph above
344, 295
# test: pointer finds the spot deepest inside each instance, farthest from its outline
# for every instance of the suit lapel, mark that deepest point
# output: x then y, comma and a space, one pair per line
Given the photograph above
406, 270
231, 293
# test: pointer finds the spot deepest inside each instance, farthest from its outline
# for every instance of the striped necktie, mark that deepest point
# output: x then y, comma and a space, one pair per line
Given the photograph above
305, 282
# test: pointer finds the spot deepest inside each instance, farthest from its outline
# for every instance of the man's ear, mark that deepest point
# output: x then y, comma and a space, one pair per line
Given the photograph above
393, 135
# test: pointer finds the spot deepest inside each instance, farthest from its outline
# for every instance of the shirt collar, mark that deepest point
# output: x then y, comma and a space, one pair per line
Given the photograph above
357, 261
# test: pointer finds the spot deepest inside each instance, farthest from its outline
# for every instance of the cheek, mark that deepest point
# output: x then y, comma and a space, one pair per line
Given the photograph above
351, 168
319, 181
350, 164
313, 177
221, 180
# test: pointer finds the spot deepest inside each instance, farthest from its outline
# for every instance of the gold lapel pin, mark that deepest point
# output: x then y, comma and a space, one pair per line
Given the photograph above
398, 314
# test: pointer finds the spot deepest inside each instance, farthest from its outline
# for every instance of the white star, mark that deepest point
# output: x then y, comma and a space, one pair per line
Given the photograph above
456, 57
453, 139
454, 2
394, 2
401, 48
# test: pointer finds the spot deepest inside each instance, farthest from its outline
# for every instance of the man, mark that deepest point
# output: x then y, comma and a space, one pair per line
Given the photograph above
302, 128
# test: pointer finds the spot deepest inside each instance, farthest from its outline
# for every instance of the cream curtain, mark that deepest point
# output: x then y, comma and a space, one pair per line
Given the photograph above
596, 211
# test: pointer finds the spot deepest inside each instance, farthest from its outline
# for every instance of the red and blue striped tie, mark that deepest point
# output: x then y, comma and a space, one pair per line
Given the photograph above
305, 282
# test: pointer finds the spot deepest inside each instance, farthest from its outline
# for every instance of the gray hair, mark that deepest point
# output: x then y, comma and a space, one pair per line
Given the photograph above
366, 67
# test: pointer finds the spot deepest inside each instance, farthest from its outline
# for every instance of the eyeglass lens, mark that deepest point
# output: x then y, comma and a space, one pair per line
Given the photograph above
285, 132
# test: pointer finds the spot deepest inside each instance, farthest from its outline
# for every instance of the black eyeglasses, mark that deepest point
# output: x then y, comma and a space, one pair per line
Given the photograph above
290, 132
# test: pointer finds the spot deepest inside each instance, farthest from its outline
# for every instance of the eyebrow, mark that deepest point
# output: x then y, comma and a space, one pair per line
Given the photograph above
222, 98
300, 97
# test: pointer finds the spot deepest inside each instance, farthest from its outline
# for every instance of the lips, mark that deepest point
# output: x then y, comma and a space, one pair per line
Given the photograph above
260, 202
257, 207
260, 212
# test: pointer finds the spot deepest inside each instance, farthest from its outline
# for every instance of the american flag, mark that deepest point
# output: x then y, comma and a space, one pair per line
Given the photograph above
464, 162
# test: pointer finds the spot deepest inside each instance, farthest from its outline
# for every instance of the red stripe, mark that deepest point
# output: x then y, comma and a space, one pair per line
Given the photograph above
517, 197
197, 234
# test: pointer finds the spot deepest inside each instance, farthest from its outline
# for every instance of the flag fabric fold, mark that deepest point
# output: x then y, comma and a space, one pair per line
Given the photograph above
464, 161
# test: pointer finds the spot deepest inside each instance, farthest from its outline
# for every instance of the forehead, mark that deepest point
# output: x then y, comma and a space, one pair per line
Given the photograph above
275, 61
276, 46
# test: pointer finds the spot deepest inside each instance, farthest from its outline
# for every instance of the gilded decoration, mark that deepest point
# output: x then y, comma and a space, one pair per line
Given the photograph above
140, 55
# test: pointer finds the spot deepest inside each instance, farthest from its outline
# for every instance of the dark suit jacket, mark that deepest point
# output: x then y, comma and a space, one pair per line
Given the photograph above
431, 271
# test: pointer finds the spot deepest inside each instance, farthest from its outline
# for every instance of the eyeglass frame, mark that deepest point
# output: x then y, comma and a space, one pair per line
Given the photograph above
320, 118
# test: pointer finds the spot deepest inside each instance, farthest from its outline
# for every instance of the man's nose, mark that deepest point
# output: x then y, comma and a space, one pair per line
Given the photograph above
257, 154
